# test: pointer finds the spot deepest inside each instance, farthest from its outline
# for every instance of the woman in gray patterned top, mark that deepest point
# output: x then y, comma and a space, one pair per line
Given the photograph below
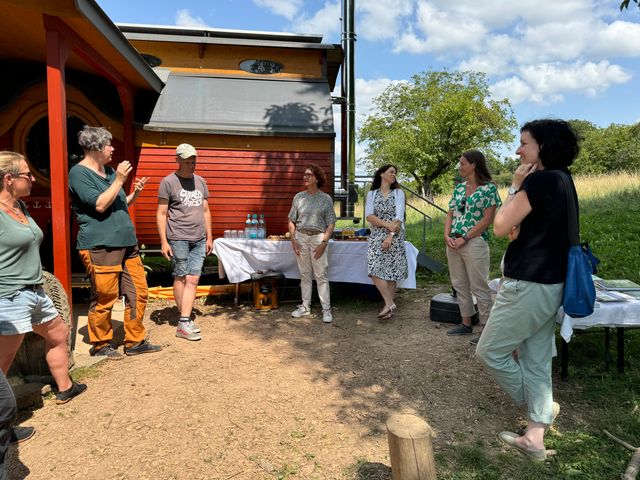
311, 223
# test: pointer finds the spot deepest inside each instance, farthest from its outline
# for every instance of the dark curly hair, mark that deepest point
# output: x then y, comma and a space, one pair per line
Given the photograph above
318, 172
377, 179
558, 141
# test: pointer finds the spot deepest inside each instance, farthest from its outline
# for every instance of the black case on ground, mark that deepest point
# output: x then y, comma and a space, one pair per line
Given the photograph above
444, 308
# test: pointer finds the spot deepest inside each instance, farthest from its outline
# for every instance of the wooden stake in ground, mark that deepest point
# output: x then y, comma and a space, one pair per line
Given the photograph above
410, 448
634, 464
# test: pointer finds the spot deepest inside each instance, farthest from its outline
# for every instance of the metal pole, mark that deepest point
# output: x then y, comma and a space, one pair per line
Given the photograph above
348, 79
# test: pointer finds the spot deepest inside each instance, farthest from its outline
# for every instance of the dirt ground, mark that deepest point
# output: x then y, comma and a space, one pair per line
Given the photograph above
264, 396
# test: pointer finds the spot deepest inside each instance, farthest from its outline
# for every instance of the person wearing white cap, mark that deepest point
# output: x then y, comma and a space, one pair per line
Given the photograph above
184, 225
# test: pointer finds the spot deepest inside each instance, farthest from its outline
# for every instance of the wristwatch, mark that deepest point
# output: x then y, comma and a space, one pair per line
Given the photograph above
393, 234
512, 190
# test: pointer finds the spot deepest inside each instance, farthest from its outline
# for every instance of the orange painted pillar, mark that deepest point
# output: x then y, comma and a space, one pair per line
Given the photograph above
126, 99
57, 54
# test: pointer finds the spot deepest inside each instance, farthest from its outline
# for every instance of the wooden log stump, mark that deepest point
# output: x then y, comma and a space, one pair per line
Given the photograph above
30, 357
410, 448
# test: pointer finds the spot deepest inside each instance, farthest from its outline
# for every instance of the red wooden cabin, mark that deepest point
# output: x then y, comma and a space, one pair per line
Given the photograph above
256, 105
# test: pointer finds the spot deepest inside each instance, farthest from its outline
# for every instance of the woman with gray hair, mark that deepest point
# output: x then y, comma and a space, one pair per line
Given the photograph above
108, 245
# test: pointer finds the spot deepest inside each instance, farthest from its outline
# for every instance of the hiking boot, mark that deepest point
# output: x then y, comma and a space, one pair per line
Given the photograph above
326, 316
142, 347
195, 327
186, 330
21, 434
461, 329
301, 311
75, 390
109, 352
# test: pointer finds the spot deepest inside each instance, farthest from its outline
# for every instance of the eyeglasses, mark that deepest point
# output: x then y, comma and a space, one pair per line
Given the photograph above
307, 174
27, 175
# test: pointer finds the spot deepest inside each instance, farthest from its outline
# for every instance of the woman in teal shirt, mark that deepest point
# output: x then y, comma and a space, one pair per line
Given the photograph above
471, 211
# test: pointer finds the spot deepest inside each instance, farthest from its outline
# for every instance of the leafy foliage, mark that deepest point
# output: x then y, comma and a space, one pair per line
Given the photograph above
423, 125
610, 149
625, 4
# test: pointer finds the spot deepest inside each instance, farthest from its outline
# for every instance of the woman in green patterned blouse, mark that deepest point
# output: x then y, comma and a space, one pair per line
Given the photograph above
471, 211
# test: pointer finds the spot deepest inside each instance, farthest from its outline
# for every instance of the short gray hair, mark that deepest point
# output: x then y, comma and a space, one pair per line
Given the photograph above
94, 139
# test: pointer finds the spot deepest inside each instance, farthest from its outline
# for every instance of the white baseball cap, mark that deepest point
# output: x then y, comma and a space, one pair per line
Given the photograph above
185, 151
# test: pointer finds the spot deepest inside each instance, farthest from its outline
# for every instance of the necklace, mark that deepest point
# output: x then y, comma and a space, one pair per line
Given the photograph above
14, 210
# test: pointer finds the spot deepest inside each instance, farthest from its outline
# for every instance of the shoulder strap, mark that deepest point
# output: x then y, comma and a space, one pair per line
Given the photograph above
572, 210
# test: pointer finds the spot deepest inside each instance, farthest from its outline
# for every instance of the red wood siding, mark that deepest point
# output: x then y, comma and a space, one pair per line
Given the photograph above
239, 182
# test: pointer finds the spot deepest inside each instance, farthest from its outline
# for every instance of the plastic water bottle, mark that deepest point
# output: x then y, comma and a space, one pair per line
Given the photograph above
262, 228
247, 226
254, 226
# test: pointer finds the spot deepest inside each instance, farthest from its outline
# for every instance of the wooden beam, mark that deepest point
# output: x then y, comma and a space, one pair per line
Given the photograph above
57, 55
126, 99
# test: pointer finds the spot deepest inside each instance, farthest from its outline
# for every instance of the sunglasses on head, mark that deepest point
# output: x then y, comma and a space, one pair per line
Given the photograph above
462, 206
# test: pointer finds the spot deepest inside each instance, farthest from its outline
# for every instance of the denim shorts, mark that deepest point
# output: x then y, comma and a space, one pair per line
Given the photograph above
25, 308
188, 257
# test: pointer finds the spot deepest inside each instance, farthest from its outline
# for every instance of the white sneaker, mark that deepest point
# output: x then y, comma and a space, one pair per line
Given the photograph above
185, 330
326, 316
195, 327
301, 311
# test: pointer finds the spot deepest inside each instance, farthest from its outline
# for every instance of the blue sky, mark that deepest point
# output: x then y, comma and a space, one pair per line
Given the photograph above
550, 58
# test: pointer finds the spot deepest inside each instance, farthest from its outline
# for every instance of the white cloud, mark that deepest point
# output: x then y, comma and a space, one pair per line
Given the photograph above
546, 83
366, 91
381, 19
325, 21
617, 39
285, 8
185, 19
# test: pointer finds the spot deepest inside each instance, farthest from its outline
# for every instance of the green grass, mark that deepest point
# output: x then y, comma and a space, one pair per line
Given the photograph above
592, 399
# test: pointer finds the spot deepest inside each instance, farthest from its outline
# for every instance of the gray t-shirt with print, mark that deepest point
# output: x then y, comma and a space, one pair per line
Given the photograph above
186, 214
312, 212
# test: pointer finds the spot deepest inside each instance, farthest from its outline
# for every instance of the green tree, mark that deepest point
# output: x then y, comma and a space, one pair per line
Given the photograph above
609, 149
625, 4
423, 125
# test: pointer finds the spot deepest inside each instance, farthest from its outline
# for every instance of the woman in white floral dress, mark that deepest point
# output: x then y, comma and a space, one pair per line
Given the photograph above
386, 257
471, 211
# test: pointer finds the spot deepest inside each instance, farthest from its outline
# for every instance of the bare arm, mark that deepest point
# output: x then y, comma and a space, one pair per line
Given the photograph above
511, 214
515, 207
292, 234
207, 226
106, 198
138, 186
449, 242
161, 220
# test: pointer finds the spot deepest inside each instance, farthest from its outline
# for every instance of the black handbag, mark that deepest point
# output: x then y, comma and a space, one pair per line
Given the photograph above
579, 294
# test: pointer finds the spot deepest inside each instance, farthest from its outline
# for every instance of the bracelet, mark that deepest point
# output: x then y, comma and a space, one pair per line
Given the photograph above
324, 241
465, 238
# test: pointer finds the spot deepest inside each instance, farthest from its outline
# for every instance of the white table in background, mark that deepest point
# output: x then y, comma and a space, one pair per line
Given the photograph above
347, 260
618, 315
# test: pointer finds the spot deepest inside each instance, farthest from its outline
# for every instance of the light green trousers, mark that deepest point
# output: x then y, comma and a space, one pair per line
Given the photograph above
523, 319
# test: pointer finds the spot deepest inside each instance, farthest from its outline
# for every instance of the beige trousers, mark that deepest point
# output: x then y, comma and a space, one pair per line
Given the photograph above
310, 267
469, 273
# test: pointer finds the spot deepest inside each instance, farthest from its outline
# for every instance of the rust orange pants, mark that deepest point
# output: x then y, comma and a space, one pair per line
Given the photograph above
115, 272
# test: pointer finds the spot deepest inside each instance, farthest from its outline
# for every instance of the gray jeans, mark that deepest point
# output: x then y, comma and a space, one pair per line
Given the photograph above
7, 416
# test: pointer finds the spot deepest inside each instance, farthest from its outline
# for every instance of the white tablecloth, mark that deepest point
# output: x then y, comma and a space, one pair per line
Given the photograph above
606, 314
347, 260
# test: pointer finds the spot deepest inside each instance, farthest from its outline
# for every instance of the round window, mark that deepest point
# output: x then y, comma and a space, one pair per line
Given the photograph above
37, 145
261, 67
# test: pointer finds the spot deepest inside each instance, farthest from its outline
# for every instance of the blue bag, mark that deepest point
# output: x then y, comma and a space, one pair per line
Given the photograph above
579, 295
